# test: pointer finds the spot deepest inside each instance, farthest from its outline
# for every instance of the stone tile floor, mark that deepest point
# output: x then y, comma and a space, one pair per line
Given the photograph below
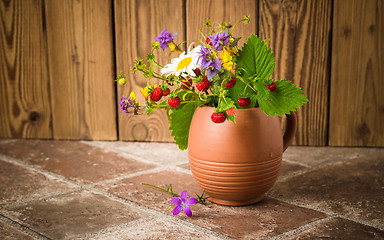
92, 190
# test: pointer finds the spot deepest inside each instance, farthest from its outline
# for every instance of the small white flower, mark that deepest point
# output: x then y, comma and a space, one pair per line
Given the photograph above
184, 64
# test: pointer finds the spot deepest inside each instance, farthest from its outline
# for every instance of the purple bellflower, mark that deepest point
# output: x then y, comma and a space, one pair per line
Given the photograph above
209, 61
183, 204
126, 103
219, 40
165, 38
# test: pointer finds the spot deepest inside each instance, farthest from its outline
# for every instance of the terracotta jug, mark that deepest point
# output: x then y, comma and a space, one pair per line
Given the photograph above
237, 163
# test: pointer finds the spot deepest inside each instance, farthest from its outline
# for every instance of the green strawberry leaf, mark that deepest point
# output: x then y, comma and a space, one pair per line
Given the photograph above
225, 104
234, 93
180, 122
287, 97
256, 59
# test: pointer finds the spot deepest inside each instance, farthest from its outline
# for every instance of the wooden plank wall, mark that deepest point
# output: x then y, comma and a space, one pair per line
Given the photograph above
59, 58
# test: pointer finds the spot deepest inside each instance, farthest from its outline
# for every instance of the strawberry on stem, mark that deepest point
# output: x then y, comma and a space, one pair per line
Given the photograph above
218, 117
174, 102
166, 92
244, 102
271, 87
186, 84
156, 94
231, 83
203, 85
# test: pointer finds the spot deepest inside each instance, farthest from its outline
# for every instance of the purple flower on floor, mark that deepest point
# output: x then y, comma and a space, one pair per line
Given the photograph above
165, 38
183, 204
219, 40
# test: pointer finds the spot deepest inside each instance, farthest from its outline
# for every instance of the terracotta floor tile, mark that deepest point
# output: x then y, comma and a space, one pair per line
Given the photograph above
313, 156
20, 184
340, 229
72, 159
269, 218
354, 187
289, 167
132, 189
73, 215
263, 220
158, 228
158, 153
10, 233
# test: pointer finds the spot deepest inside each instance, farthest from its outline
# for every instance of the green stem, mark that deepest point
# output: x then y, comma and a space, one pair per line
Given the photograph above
162, 189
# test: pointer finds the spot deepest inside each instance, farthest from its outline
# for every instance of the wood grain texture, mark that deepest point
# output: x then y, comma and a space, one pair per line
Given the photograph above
300, 39
357, 85
80, 48
219, 11
137, 23
24, 90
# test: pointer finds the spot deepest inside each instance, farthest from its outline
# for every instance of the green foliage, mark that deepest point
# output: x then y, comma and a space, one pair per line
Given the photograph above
255, 59
256, 63
287, 97
180, 122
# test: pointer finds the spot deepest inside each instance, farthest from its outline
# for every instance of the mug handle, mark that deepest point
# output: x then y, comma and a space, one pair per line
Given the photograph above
290, 130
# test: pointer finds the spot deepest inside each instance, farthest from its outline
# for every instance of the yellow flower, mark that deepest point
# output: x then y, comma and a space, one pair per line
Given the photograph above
172, 46
133, 96
226, 58
228, 65
144, 92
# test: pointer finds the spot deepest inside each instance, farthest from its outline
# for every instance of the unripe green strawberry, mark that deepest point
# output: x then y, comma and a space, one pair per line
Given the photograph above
174, 102
218, 117
156, 94
122, 81
244, 102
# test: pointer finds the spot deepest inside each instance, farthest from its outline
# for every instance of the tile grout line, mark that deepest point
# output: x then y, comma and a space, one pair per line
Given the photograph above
114, 228
330, 213
153, 211
302, 228
22, 228
90, 187
294, 162
36, 169
311, 168
126, 154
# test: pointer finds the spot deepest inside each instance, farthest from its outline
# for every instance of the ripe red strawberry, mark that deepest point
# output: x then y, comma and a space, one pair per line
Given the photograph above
271, 87
197, 71
187, 83
203, 85
244, 102
166, 92
231, 83
156, 94
218, 117
174, 102
208, 41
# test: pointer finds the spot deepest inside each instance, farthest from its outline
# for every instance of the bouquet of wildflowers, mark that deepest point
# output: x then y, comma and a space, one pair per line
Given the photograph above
212, 72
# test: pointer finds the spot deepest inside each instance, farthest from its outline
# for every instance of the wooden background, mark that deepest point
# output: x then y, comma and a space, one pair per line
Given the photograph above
59, 59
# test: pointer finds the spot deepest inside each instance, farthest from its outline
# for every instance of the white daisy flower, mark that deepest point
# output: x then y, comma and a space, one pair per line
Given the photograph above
184, 64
